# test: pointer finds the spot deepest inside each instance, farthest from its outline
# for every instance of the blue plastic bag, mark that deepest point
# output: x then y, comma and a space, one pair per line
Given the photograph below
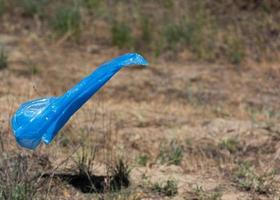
41, 119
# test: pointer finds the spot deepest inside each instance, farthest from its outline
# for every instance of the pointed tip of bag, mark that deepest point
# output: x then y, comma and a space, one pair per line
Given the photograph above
127, 60
138, 59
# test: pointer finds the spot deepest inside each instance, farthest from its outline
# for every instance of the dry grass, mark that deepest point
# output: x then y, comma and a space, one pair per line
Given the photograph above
182, 130
199, 30
182, 135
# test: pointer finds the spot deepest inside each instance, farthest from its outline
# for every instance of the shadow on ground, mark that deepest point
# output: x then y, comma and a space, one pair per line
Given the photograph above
91, 183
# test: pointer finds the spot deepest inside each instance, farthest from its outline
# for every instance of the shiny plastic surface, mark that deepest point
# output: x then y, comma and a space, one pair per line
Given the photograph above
41, 119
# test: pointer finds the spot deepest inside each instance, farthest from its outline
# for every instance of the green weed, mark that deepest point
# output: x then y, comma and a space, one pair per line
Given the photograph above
3, 58
32, 66
191, 33
16, 181
91, 4
33, 7
2, 7
84, 162
200, 194
34, 69
171, 154
173, 34
121, 35
168, 4
143, 160
30, 7
67, 20
64, 141
230, 144
169, 188
146, 32
246, 179
236, 52
119, 175
199, 36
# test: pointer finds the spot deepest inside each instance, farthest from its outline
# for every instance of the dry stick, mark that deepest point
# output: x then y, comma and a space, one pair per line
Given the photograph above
35, 89
108, 157
64, 38
1, 141
102, 106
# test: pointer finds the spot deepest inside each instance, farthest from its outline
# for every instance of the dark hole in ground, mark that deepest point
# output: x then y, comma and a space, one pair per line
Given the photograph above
92, 183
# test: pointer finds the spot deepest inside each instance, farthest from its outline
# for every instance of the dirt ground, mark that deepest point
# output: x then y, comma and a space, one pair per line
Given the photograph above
223, 120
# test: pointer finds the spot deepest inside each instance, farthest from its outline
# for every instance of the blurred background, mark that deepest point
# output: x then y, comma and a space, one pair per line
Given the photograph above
231, 31
201, 122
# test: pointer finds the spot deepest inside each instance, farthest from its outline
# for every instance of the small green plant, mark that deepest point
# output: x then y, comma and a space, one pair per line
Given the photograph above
173, 34
235, 50
84, 169
171, 154
3, 59
231, 144
30, 7
169, 188
237, 54
33, 7
119, 175
2, 7
191, 33
67, 20
16, 181
64, 141
168, 3
265, 7
21, 191
121, 35
200, 194
84, 162
246, 179
91, 4
143, 159
33, 67
146, 34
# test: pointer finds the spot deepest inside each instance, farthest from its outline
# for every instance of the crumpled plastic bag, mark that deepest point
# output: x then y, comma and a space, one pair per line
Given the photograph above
41, 119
